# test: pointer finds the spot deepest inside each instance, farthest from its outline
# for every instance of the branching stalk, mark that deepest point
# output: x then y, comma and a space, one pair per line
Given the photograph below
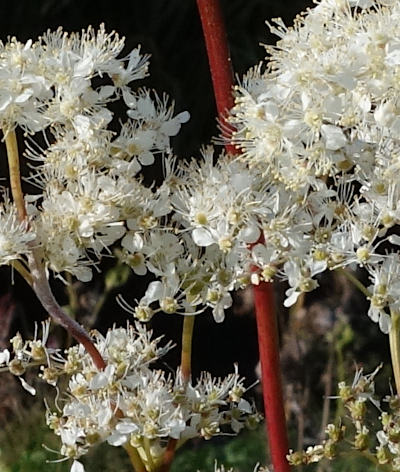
186, 356
37, 276
43, 291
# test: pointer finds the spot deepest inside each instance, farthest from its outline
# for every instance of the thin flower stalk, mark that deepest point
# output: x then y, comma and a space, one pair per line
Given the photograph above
15, 175
134, 458
23, 271
186, 370
169, 455
187, 336
222, 78
394, 342
355, 282
394, 330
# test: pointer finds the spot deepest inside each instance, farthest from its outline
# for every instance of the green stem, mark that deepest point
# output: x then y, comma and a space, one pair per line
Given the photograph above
328, 388
394, 342
147, 448
186, 369
372, 458
340, 374
186, 356
16, 191
15, 174
355, 282
22, 270
136, 461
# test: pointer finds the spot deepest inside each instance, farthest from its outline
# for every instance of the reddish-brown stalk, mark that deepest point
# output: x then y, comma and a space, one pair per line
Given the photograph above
169, 455
222, 78
267, 329
219, 60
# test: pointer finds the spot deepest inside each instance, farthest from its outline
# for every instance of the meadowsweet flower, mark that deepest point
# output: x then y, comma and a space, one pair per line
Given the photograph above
320, 124
15, 237
25, 354
91, 190
130, 401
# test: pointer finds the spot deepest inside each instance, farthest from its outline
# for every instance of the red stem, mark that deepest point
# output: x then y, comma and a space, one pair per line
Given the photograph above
222, 78
267, 329
43, 291
220, 63
169, 455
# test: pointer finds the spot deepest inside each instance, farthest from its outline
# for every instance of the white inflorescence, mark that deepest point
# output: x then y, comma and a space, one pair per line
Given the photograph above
130, 401
321, 125
61, 85
314, 189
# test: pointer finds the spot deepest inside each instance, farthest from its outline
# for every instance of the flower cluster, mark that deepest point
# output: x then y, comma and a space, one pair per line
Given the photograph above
49, 81
215, 211
192, 232
61, 85
381, 445
320, 124
130, 403
26, 354
315, 188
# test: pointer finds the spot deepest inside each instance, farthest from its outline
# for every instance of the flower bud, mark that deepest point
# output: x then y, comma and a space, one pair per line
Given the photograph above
16, 367
361, 439
383, 455
295, 458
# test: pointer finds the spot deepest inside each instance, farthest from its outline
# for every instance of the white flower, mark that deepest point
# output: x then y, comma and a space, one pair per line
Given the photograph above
4, 356
15, 237
77, 467
159, 117
334, 137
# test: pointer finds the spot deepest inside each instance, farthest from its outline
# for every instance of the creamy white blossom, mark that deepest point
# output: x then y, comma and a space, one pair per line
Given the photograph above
320, 122
129, 402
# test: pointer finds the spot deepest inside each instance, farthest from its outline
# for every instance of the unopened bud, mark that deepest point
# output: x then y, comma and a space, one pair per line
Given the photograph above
16, 367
